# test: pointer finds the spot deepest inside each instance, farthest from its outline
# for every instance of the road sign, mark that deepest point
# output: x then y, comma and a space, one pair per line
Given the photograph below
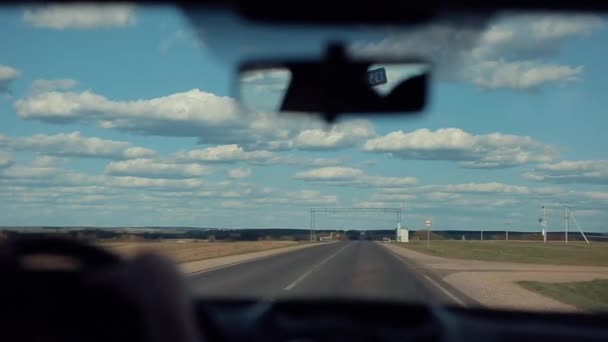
428, 223
376, 77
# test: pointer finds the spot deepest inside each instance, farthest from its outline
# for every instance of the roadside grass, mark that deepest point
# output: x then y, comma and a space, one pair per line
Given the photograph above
186, 251
555, 253
589, 295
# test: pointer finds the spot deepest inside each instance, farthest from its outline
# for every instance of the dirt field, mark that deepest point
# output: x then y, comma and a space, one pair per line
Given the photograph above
187, 250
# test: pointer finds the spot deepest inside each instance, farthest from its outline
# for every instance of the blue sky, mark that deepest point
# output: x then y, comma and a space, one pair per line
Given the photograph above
125, 116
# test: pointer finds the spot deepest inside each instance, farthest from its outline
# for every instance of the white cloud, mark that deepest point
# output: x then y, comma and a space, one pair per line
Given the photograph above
43, 86
47, 161
7, 75
194, 37
565, 26
596, 195
511, 53
238, 173
441, 196
156, 184
192, 107
300, 197
227, 154
29, 172
571, 171
150, 168
486, 151
380, 197
235, 204
345, 134
349, 176
210, 118
482, 204
521, 75
80, 16
214, 120
310, 162
488, 188
75, 145
5, 161
330, 174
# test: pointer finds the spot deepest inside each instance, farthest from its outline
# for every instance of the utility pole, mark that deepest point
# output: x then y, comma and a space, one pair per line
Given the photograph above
311, 223
544, 224
507, 232
482, 234
566, 223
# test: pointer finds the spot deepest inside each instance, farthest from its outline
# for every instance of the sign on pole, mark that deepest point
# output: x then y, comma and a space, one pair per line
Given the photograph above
428, 223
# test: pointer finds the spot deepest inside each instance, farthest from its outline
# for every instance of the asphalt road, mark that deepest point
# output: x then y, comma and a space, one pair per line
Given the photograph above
360, 269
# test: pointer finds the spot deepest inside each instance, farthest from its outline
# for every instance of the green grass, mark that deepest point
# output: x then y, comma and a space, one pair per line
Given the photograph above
556, 253
589, 295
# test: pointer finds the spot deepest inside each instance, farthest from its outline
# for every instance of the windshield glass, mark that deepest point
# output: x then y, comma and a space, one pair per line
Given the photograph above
120, 127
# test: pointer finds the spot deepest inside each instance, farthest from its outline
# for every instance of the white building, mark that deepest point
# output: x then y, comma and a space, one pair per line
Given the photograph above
403, 234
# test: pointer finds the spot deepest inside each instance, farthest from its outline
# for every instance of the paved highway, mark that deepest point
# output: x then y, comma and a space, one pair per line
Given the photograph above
344, 269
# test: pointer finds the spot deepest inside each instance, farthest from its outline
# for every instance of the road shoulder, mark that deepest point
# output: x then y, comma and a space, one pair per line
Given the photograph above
494, 284
205, 265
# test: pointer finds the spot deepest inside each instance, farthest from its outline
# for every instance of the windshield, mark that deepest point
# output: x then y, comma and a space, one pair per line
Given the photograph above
120, 127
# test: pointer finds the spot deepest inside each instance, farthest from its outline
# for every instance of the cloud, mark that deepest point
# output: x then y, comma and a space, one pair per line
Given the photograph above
47, 161
487, 151
75, 145
482, 188
5, 161
7, 75
510, 54
150, 168
300, 197
348, 176
80, 16
29, 172
194, 113
392, 197
155, 184
522, 75
194, 37
571, 171
596, 195
239, 173
343, 135
193, 107
310, 162
235, 204
269, 83
214, 120
43, 86
227, 154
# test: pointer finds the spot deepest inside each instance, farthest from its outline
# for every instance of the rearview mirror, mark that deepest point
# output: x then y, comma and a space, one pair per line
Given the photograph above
334, 85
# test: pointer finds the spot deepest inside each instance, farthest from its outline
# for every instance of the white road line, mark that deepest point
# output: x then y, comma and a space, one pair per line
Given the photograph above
430, 280
448, 293
309, 272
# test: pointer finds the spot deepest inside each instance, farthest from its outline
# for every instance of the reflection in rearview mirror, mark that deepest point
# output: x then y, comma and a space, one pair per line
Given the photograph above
264, 89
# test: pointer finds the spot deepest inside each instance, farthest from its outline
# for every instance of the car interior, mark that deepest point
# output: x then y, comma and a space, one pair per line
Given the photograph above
90, 294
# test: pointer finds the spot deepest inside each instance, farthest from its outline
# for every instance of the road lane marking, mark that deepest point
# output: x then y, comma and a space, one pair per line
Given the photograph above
309, 272
406, 261
445, 291
258, 258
